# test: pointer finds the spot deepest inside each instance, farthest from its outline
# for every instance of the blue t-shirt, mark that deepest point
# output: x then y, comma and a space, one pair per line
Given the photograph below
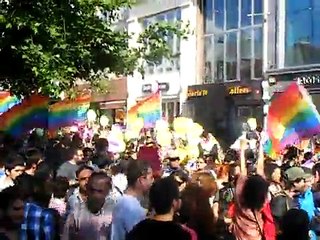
127, 213
305, 202
2, 173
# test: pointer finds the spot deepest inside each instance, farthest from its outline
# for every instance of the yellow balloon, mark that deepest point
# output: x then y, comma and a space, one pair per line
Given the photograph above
164, 138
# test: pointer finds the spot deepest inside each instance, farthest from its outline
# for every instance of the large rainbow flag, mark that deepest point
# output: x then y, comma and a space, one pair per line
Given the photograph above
31, 113
292, 118
149, 109
7, 101
68, 112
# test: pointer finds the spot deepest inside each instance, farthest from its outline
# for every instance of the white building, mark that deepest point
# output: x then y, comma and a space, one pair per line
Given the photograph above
174, 76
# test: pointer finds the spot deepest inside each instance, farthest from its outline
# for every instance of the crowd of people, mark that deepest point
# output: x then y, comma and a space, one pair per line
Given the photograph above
60, 189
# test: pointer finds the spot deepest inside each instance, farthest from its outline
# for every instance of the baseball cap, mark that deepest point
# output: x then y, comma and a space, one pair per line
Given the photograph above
295, 173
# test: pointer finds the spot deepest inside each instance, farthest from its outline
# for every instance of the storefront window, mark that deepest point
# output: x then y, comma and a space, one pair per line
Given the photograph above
302, 39
233, 46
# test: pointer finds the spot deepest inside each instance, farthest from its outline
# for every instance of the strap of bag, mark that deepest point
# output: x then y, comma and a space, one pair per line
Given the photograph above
259, 227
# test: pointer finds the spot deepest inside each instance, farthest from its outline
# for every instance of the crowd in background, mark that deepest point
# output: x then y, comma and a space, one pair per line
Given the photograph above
60, 189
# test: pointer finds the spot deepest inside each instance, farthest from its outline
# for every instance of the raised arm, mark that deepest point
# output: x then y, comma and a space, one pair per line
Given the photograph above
243, 164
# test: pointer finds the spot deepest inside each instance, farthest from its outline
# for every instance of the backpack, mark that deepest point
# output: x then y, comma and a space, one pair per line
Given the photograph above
226, 197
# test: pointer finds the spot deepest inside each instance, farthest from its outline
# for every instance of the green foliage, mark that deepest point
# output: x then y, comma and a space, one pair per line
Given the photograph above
45, 45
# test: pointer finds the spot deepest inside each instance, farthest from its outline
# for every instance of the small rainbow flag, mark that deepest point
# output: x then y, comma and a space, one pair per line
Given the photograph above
7, 101
31, 113
292, 118
68, 112
149, 109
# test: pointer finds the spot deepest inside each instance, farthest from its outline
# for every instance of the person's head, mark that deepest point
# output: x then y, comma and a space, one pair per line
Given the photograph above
234, 172
255, 192
231, 156
295, 225
33, 158
316, 172
42, 191
181, 178
195, 210
75, 154
208, 183
26, 184
273, 172
60, 187
296, 178
83, 174
164, 196
174, 162
139, 175
14, 165
201, 164
222, 171
87, 154
11, 208
44, 172
99, 186
308, 156
101, 145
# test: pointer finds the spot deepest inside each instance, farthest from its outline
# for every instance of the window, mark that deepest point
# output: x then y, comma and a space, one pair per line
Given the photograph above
246, 9
257, 12
208, 59
235, 49
219, 57
231, 55
173, 41
170, 110
177, 109
164, 110
245, 53
258, 38
219, 14
232, 12
302, 39
208, 9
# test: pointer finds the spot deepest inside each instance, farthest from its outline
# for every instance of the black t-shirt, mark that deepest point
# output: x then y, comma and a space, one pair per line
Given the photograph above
158, 230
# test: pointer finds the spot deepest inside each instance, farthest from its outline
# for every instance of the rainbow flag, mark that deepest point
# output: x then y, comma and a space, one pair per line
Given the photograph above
68, 112
31, 113
149, 109
7, 101
292, 118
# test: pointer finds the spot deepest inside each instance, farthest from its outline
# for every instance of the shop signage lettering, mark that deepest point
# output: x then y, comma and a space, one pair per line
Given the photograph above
197, 93
239, 90
308, 79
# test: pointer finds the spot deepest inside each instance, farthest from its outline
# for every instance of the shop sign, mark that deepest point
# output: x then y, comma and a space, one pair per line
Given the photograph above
197, 93
239, 90
311, 79
163, 87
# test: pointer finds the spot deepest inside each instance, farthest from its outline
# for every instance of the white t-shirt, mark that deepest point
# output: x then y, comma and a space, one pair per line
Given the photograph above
5, 183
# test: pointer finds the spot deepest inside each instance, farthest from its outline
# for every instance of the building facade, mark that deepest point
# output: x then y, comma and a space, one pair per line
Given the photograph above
232, 69
173, 76
292, 47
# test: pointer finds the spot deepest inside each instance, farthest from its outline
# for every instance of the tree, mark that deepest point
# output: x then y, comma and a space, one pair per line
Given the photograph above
45, 45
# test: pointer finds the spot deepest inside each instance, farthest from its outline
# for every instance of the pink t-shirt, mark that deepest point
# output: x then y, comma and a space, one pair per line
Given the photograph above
245, 225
